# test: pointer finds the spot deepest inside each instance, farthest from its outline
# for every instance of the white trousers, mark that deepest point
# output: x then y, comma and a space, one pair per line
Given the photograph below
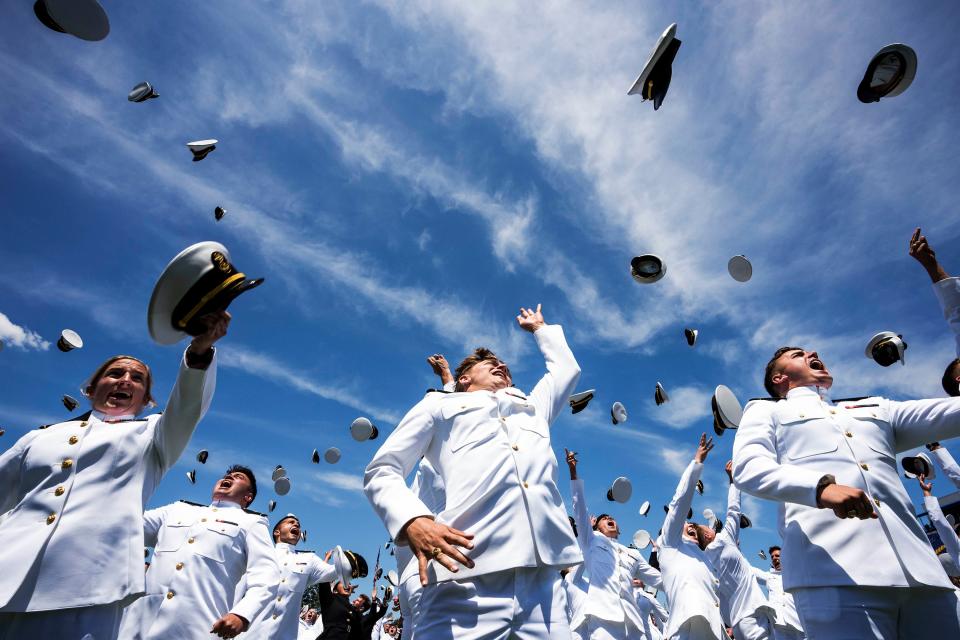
696, 628
882, 613
756, 627
606, 630
81, 623
521, 604
409, 593
787, 633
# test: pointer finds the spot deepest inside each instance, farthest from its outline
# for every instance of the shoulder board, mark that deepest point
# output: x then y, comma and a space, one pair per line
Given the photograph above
852, 399
255, 513
437, 391
82, 416
766, 399
196, 504
303, 551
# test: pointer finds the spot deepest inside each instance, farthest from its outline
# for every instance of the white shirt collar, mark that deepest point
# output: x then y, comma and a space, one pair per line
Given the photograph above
799, 392
100, 415
225, 504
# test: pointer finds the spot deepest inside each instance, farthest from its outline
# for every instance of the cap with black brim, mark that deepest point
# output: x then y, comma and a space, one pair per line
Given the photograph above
142, 92
915, 466
202, 456
886, 348
618, 413
726, 409
641, 539
362, 430
281, 486
647, 269
219, 212
69, 402
278, 472
84, 19
620, 491
654, 79
579, 401
315, 457
192, 476
271, 505
740, 268
332, 455
644, 508
202, 148
660, 395
69, 340
691, 336
890, 72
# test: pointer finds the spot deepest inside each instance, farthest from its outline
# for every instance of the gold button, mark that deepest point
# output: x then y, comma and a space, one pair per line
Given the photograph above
278, 598
169, 594
66, 464
863, 465
717, 604
51, 518
203, 519
802, 416
463, 406
73, 440
284, 580
503, 420
526, 486
179, 566
190, 540
58, 491
84, 423
213, 509
874, 415
516, 448
848, 434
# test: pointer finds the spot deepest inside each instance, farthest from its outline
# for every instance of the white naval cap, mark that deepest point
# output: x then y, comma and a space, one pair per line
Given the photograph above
745, 522
202, 148
762, 554
740, 268
580, 400
654, 79
618, 413
647, 269
620, 491
278, 472
691, 336
644, 508
641, 538
700, 487
660, 394
890, 72
885, 348
271, 506
84, 19
917, 465
709, 515
142, 92
192, 476
69, 402
362, 430
69, 340
393, 578
281, 486
199, 280
332, 455
726, 409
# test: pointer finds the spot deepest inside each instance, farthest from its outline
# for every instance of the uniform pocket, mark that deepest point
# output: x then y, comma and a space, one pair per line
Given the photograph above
813, 449
174, 535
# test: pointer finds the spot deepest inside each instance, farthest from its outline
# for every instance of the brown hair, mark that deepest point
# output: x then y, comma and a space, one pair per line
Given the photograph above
769, 371
949, 380
92, 381
479, 355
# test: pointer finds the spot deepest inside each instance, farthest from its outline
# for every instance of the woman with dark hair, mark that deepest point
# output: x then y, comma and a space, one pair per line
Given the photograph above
72, 496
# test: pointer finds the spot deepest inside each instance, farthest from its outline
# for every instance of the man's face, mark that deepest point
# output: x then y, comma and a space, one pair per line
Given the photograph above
234, 487
698, 534
311, 616
608, 527
288, 531
775, 559
487, 375
798, 368
361, 603
121, 389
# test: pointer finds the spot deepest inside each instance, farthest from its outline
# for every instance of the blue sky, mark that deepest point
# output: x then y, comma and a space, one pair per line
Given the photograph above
407, 175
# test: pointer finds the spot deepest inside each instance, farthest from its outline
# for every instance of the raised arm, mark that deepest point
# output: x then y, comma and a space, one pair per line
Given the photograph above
191, 393
551, 393
581, 515
262, 575
946, 289
643, 571
321, 571
760, 575
441, 367
731, 524
947, 535
950, 467
922, 252
683, 497
916, 422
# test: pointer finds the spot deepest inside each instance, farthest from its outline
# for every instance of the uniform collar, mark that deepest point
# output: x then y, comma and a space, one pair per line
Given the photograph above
809, 392
102, 417
224, 504
285, 546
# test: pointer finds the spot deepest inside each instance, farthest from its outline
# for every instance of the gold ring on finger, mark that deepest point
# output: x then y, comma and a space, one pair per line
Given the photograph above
436, 552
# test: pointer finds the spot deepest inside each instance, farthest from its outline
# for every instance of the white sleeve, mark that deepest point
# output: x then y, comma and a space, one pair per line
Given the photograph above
643, 571
262, 576
950, 467
321, 571
760, 575
152, 522
680, 504
756, 466
916, 422
948, 294
450, 386
947, 535
187, 404
659, 611
11, 462
384, 479
551, 393
581, 516
732, 522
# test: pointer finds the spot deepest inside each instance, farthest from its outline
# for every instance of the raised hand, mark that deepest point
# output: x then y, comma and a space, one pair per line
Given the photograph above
217, 324
571, 462
926, 487
705, 446
530, 320
430, 540
923, 253
729, 469
440, 367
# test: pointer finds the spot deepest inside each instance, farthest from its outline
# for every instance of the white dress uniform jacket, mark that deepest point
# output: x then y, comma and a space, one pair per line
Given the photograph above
689, 579
610, 568
948, 294
950, 467
71, 529
781, 601
308, 631
201, 554
740, 593
299, 570
492, 452
783, 448
648, 606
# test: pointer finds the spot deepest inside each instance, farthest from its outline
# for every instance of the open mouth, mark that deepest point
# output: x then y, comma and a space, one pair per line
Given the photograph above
226, 483
119, 396
816, 365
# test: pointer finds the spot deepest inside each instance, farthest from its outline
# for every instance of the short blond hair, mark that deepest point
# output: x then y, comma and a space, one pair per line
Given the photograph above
480, 354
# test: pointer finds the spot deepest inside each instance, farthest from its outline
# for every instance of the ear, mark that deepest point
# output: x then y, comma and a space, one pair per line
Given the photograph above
779, 378
249, 498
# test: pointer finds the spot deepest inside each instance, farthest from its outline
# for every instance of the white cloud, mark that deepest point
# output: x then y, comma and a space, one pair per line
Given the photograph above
675, 459
340, 480
687, 405
13, 335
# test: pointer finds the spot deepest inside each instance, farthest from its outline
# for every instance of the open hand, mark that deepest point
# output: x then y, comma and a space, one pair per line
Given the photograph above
571, 462
705, 446
926, 487
530, 320
229, 626
430, 540
729, 470
440, 367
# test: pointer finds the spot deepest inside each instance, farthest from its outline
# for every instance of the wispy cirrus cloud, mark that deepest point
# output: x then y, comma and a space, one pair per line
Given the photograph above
19, 337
